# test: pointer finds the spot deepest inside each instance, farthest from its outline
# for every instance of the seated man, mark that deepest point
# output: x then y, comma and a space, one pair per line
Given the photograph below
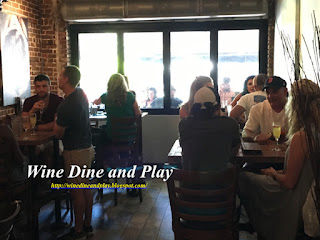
44, 103
247, 101
262, 115
208, 140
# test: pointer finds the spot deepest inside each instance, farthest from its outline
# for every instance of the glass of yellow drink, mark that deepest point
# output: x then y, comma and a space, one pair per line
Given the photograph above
276, 130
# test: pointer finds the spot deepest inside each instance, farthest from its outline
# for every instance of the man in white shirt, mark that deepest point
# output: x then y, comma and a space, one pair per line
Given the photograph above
262, 115
247, 101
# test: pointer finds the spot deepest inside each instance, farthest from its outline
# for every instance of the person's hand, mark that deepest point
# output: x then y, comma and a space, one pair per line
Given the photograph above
263, 138
37, 106
269, 171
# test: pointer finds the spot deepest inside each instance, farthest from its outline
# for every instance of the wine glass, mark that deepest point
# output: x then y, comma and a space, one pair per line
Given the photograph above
42, 107
276, 129
25, 125
33, 121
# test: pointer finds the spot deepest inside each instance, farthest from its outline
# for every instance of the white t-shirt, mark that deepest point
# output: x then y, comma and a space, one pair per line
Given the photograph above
261, 117
248, 100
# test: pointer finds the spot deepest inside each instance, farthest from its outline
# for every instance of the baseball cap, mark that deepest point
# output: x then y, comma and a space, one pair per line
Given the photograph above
205, 95
275, 82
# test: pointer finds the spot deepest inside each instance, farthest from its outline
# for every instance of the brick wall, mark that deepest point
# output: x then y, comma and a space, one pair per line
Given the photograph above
47, 39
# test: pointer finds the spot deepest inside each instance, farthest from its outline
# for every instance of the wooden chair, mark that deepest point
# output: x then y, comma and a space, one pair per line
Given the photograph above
8, 214
124, 149
203, 204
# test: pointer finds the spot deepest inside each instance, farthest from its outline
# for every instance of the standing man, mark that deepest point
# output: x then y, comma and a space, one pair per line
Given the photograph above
44, 103
73, 127
259, 124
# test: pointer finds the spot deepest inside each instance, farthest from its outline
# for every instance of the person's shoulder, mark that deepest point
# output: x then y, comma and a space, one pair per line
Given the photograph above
56, 97
258, 106
32, 98
227, 120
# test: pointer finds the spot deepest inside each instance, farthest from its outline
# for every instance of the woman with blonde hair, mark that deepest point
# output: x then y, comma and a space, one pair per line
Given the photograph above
274, 199
198, 83
118, 100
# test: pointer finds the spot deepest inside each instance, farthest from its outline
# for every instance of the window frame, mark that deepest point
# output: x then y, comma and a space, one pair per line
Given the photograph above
166, 27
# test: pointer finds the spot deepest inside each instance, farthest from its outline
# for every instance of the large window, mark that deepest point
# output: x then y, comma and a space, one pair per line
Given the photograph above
161, 60
190, 57
98, 60
238, 58
143, 65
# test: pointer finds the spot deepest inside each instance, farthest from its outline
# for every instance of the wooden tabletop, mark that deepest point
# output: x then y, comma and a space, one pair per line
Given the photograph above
40, 138
267, 155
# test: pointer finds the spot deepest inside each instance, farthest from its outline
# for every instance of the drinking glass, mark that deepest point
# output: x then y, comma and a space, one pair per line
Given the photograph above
25, 125
276, 129
33, 121
41, 111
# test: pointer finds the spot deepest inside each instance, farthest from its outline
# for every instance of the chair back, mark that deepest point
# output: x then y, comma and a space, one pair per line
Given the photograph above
126, 137
203, 204
8, 213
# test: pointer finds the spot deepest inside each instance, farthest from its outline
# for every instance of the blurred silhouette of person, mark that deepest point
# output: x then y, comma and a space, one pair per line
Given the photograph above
225, 92
152, 94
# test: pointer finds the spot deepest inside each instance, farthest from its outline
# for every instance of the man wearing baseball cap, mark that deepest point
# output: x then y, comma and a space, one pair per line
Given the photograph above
208, 140
262, 115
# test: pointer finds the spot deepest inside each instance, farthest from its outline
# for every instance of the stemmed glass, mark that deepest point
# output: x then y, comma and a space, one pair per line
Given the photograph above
33, 121
276, 128
41, 111
25, 125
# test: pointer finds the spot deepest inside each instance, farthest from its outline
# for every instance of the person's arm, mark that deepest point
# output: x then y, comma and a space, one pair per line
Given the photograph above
47, 126
235, 100
297, 154
183, 113
237, 111
97, 101
136, 109
252, 128
58, 130
35, 107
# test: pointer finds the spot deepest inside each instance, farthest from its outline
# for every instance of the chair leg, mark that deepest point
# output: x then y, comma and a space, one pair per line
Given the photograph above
115, 196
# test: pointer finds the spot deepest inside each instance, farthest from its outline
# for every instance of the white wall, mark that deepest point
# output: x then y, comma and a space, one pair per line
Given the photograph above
158, 135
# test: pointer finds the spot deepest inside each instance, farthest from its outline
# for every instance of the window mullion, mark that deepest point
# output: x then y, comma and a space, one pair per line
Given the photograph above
166, 70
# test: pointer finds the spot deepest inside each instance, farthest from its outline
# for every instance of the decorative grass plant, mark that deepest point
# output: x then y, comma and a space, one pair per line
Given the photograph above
310, 124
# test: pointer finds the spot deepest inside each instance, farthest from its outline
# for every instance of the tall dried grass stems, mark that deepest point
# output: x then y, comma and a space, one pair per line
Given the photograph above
305, 100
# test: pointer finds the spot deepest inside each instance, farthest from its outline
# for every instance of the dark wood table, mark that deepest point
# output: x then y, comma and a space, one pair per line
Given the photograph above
41, 137
266, 156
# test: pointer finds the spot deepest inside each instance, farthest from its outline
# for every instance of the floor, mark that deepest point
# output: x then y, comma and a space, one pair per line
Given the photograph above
130, 220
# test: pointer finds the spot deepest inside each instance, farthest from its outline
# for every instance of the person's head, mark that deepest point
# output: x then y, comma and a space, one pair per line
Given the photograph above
172, 91
117, 89
258, 81
198, 83
277, 92
42, 85
152, 93
225, 86
248, 85
206, 103
69, 77
303, 106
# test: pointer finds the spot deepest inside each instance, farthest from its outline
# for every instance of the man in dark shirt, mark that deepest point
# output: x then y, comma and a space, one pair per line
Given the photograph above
44, 103
208, 140
73, 127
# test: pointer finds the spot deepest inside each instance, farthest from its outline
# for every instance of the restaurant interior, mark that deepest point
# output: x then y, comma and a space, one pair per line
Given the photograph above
158, 45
